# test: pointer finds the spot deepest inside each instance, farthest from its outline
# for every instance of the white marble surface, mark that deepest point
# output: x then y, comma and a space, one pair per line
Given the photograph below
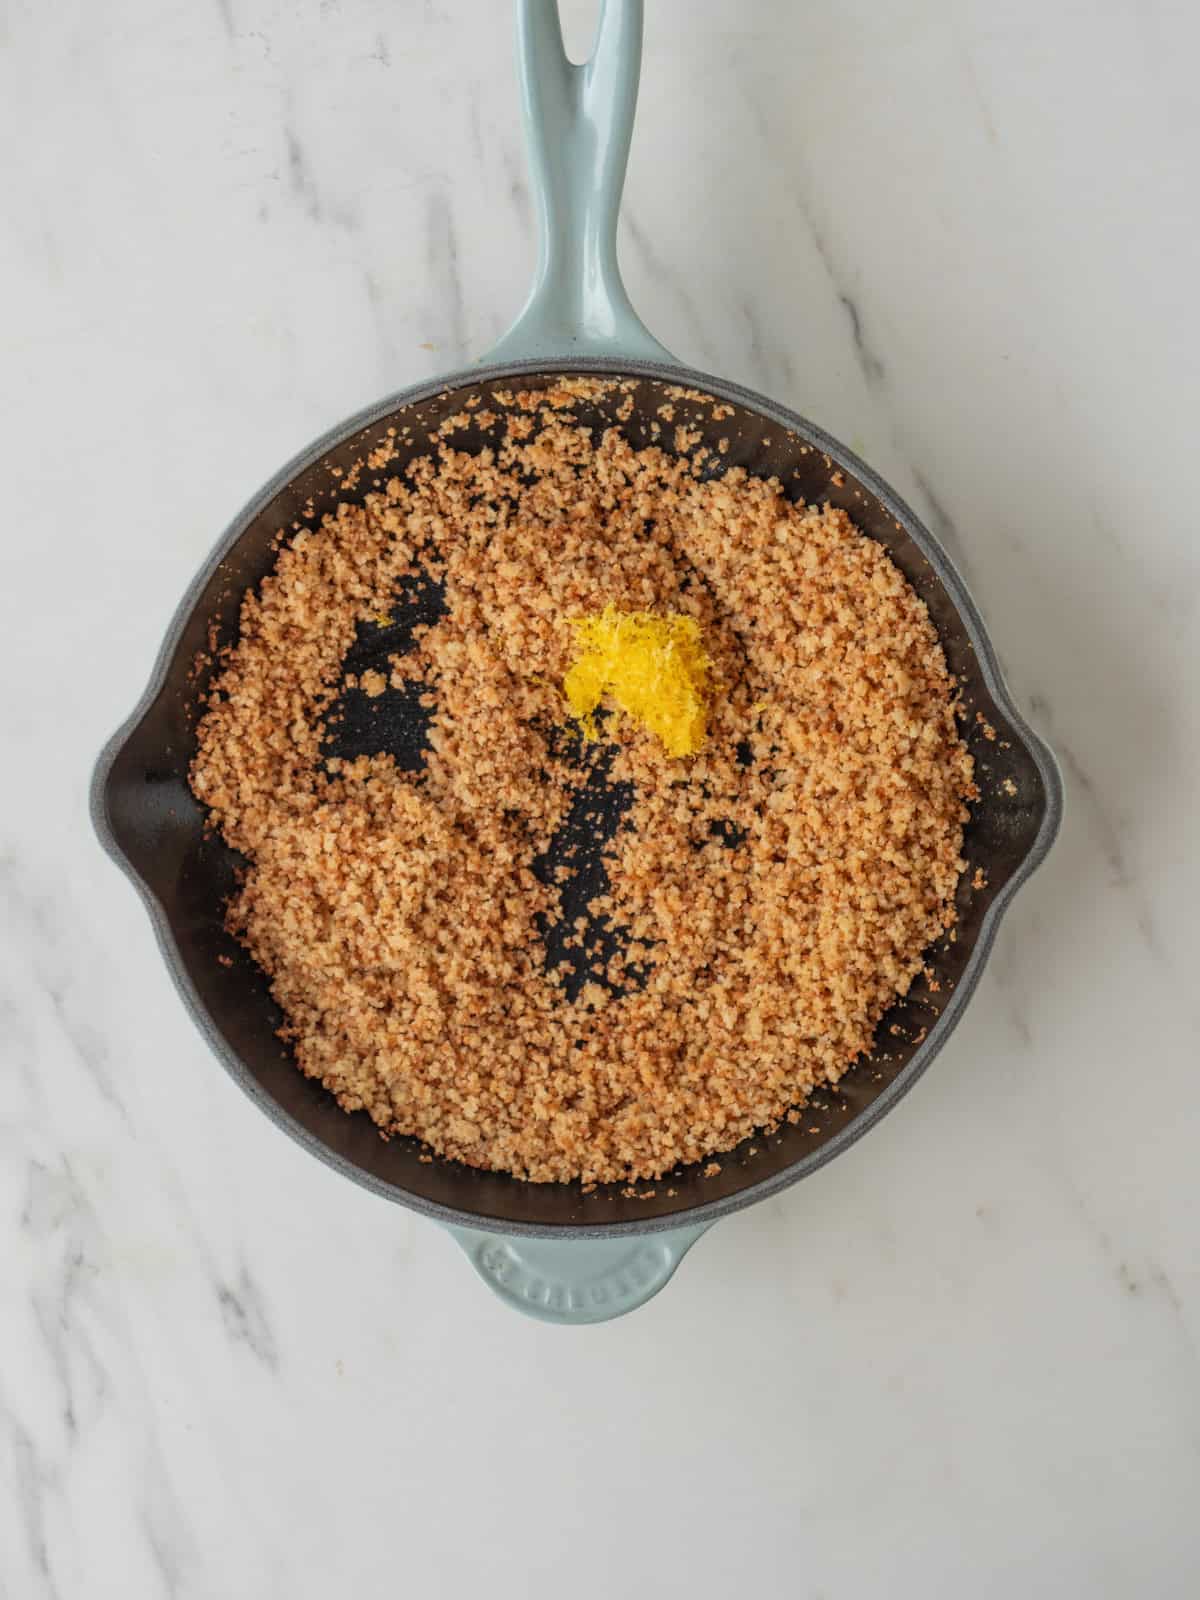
962, 1360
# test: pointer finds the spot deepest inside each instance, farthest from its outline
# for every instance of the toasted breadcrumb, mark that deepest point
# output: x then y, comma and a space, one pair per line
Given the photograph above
777, 890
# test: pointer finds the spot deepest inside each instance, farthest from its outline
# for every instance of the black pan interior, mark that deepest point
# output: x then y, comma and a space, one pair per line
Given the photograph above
158, 827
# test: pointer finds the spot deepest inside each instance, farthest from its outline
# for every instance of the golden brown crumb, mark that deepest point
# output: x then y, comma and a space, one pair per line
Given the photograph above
776, 891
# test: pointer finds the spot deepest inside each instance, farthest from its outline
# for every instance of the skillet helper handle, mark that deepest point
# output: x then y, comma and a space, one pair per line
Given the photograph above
574, 1281
578, 124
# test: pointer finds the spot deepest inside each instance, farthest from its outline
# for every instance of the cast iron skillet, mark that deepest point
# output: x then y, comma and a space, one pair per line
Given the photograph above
550, 1249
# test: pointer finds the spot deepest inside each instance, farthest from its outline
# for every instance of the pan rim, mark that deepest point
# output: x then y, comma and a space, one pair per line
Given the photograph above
948, 575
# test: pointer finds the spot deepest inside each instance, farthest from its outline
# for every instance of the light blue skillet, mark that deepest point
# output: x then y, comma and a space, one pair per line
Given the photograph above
549, 1250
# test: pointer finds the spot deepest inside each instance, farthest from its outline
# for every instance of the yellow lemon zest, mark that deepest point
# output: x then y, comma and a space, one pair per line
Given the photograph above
654, 668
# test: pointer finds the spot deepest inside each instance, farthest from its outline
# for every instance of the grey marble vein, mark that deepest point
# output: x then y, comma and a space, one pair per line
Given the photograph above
164, 1555
518, 188
872, 366
756, 350
56, 1218
379, 301
1162, 1280
1009, 978
476, 131
78, 1350
943, 526
660, 270
1105, 828
302, 184
971, 75
42, 921
300, 176
20, 1044
1135, 1277
445, 277
245, 1318
869, 361
771, 368
32, 1481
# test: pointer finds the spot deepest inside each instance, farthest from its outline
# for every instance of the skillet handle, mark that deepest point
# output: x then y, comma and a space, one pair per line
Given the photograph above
573, 1281
578, 124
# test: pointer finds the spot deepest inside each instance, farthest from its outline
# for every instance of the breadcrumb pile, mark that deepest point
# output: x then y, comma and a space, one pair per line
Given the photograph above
768, 898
